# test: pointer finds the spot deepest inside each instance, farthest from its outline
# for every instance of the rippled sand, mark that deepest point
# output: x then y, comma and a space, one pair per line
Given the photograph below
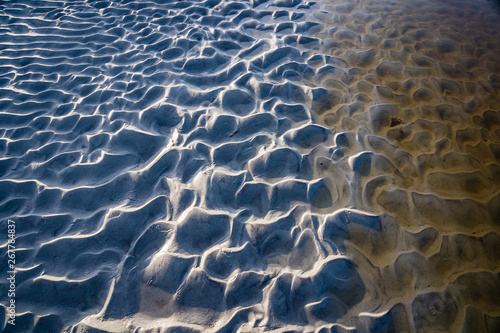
249, 166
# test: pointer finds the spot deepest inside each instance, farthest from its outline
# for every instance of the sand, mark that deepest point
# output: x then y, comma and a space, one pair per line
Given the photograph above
251, 166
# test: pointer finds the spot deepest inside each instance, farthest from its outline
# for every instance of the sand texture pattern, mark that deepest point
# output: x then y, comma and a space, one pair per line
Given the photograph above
250, 166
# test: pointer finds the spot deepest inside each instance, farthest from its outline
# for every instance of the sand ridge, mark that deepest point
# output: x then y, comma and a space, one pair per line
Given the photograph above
252, 166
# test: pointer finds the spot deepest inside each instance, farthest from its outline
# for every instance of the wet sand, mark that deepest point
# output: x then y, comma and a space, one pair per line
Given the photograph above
288, 166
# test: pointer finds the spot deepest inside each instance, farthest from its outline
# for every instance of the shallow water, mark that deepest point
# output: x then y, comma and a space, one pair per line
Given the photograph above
175, 166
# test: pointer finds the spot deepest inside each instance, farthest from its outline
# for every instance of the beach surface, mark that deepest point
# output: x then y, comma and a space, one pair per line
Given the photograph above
250, 166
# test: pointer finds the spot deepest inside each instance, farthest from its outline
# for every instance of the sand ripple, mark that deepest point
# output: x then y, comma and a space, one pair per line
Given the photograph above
192, 166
